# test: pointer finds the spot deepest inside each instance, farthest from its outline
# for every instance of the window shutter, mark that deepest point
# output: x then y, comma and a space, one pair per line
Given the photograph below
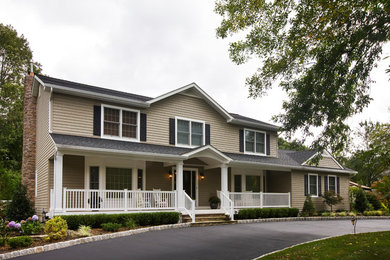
143, 127
268, 144
326, 183
97, 111
306, 183
241, 139
207, 134
319, 186
338, 185
171, 131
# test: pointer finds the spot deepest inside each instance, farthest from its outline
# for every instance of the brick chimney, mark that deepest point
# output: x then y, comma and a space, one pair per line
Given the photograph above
29, 137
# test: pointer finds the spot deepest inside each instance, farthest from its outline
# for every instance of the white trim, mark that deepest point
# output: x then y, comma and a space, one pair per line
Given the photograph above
308, 184
265, 142
36, 183
207, 98
190, 133
114, 137
325, 154
50, 109
207, 147
196, 170
335, 182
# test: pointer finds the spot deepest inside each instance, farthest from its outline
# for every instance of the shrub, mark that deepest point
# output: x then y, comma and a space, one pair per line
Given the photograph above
55, 228
267, 213
130, 224
332, 214
361, 202
331, 198
2, 242
342, 214
308, 207
84, 231
141, 219
373, 200
20, 207
31, 226
113, 227
293, 212
22, 241
325, 214
352, 214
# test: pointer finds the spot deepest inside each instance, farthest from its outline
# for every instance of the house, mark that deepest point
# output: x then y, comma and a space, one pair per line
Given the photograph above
88, 149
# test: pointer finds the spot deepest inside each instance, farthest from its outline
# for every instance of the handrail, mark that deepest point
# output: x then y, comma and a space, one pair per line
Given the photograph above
227, 204
191, 209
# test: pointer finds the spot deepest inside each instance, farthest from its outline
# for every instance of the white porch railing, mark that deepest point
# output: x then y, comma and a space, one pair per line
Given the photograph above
189, 206
117, 200
260, 199
227, 204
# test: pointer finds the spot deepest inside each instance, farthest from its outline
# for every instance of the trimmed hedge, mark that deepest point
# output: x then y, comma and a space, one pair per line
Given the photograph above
22, 241
267, 213
141, 219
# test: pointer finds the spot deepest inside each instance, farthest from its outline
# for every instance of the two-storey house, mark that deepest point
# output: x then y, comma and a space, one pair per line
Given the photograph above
89, 149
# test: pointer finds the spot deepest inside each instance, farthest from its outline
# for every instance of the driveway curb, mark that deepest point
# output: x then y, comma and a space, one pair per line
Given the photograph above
247, 221
78, 241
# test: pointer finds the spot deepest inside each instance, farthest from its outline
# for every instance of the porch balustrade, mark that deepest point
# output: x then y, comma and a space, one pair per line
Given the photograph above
259, 199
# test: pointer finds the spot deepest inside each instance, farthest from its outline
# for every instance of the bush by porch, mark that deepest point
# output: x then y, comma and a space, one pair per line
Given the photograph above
256, 213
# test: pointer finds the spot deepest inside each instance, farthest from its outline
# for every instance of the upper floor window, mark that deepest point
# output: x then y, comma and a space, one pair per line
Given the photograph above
120, 122
254, 142
189, 132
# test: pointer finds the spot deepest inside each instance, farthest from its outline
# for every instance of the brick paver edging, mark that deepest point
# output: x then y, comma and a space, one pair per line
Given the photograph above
78, 241
246, 221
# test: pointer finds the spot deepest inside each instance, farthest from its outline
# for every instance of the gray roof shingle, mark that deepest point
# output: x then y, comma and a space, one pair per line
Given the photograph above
251, 120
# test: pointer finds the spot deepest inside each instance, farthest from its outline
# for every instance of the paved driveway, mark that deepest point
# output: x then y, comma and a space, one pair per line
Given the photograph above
240, 241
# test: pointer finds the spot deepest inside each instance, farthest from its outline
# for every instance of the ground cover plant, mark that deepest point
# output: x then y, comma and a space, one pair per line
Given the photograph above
360, 246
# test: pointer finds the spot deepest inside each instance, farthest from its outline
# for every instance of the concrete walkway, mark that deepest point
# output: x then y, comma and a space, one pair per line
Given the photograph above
240, 241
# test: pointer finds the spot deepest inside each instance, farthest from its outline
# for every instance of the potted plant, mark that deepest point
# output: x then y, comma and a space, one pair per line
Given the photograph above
214, 201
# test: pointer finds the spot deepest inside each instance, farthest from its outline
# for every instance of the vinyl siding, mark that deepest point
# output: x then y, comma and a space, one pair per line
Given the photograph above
157, 176
73, 172
328, 162
45, 150
298, 196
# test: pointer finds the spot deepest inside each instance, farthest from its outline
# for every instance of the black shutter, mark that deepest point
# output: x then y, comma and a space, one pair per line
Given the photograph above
326, 183
319, 186
97, 111
268, 144
171, 131
241, 139
338, 185
143, 127
207, 137
306, 182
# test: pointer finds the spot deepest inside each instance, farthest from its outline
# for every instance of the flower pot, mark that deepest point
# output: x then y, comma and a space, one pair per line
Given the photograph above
213, 205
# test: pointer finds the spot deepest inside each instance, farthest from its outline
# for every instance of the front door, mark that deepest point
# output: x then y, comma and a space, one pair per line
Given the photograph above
189, 183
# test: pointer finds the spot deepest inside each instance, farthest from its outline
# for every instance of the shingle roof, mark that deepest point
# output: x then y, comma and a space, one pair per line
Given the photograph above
89, 88
248, 119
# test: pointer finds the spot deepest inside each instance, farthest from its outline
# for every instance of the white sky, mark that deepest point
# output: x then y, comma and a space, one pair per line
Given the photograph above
152, 47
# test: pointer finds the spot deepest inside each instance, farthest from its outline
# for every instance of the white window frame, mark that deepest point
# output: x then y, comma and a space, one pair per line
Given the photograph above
190, 125
335, 182
114, 137
265, 142
308, 185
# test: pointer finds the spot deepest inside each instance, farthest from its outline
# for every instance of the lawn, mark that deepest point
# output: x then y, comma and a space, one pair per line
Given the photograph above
374, 245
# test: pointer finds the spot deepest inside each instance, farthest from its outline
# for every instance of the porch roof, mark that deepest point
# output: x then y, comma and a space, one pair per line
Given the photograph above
286, 158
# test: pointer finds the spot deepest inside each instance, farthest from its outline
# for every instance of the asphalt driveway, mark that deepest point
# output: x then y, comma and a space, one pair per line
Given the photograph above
240, 241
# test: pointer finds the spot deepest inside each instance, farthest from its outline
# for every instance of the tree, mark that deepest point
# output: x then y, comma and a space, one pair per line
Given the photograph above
331, 198
320, 52
382, 187
294, 145
361, 202
308, 207
20, 208
15, 57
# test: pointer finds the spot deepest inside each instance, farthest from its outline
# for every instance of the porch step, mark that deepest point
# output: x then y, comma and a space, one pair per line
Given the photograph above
211, 219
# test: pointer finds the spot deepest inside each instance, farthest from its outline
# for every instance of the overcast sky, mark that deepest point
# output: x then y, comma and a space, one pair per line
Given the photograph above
152, 47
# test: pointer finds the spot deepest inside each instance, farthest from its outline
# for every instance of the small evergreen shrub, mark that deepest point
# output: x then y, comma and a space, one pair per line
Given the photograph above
325, 214
267, 213
361, 202
2, 242
20, 207
84, 231
113, 227
373, 200
55, 228
22, 241
342, 214
308, 207
130, 224
352, 214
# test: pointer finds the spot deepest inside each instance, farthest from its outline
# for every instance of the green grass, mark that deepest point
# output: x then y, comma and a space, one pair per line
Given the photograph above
374, 245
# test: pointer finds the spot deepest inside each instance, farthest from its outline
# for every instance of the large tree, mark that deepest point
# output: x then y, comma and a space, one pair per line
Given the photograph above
320, 52
15, 58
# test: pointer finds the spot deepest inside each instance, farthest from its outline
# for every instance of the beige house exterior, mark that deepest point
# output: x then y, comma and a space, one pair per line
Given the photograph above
89, 149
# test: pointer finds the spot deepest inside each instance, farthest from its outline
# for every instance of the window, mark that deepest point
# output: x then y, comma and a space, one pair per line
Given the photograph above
332, 183
121, 123
118, 178
237, 183
252, 183
313, 184
189, 132
254, 142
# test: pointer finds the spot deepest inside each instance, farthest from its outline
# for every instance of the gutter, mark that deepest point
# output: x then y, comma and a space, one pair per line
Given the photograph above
252, 124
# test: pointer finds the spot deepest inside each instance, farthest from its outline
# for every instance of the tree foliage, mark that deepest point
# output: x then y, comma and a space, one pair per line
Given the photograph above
294, 145
320, 52
331, 198
382, 187
361, 202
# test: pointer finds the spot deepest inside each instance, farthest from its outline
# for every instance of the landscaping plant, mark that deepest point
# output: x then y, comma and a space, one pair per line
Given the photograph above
31, 226
55, 228
130, 224
84, 231
308, 207
361, 202
20, 207
22, 241
113, 227
331, 198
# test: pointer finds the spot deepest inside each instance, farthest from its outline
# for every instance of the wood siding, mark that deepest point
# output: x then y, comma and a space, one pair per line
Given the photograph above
73, 172
298, 196
328, 162
45, 150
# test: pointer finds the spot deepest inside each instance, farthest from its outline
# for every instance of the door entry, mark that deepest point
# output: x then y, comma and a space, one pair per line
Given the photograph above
189, 183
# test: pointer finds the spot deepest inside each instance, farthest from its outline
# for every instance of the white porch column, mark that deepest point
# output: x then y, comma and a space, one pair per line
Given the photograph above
179, 185
224, 178
58, 167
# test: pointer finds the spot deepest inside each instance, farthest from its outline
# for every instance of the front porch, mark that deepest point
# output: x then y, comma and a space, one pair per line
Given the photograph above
94, 183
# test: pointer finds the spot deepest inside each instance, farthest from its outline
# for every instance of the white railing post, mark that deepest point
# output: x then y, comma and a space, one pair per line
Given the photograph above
289, 199
176, 204
261, 199
64, 201
125, 191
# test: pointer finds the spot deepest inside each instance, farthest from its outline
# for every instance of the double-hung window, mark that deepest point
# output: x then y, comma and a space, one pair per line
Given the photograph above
313, 184
255, 142
189, 132
332, 183
120, 123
